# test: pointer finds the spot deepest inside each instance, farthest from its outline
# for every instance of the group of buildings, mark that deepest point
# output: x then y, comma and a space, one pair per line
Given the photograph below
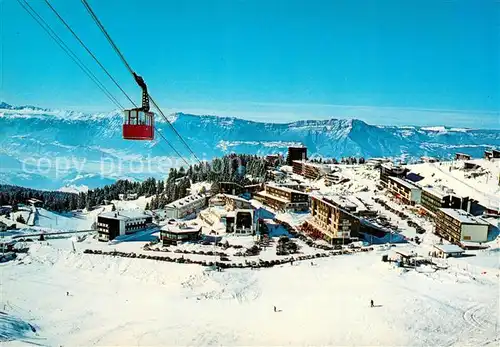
335, 219
450, 211
230, 214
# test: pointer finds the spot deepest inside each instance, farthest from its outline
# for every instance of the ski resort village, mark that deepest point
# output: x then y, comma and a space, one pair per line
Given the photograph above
257, 251
249, 173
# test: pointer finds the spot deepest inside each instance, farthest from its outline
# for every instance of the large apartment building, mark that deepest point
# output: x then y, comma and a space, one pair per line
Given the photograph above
185, 206
112, 224
283, 198
336, 224
434, 198
308, 170
387, 170
457, 225
404, 190
296, 153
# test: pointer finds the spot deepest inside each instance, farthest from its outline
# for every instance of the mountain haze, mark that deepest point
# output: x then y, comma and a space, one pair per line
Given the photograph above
82, 142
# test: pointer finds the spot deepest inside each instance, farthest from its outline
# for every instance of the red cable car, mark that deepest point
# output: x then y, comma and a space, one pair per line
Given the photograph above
139, 122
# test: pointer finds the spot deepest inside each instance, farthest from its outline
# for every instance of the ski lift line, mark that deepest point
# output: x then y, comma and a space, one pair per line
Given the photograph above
89, 51
43, 24
105, 33
73, 56
129, 68
173, 128
173, 148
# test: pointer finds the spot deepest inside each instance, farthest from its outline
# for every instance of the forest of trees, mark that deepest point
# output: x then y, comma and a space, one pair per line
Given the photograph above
55, 201
230, 168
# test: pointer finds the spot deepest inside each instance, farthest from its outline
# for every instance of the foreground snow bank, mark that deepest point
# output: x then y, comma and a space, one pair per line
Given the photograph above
13, 328
123, 301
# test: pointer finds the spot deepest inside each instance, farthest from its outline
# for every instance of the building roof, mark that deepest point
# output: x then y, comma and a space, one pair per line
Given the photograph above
405, 253
403, 182
463, 217
184, 201
124, 215
322, 199
450, 248
340, 200
181, 228
286, 189
323, 167
439, 191
389, 165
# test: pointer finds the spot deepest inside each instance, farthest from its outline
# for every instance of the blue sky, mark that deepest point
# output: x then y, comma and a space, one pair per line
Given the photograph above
281, 60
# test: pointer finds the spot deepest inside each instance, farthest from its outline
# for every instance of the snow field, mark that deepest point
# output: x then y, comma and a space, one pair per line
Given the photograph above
124, 301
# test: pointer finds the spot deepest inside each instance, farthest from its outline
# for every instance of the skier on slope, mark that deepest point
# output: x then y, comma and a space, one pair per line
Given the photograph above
371, 303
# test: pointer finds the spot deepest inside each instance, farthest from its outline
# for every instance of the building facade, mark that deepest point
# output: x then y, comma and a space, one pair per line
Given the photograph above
335, 178
296, 153
235, 213
308, 170
434, 198
232, 188
113, 224
404, 190
387, 171
336, 224
457, 225
462, 156
283, 198
173, 233
185, 206
492, 154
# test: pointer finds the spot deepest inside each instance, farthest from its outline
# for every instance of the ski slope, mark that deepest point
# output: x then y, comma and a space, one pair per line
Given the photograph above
66, 221
123, 301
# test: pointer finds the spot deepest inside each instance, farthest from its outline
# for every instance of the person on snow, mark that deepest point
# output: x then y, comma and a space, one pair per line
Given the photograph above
371, 303
274, 308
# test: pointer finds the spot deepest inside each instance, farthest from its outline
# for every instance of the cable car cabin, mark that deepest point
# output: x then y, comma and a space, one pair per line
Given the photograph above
138, 125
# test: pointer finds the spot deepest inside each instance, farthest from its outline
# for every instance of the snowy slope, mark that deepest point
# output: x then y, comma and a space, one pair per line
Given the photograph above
123, 301
87, 150
66, 221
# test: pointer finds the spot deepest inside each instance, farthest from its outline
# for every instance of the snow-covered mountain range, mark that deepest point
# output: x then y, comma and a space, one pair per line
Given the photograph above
44, 148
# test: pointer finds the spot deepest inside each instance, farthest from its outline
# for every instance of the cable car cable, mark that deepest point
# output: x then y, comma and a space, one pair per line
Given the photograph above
117, 50
180, 156
89, 51
45, 26
80, 63
103, 30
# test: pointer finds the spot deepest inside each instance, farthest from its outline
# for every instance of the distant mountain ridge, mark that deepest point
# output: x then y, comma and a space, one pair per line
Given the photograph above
30, 133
